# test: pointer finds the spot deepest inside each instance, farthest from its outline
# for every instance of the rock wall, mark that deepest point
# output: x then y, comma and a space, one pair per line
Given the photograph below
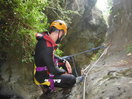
111, 77
86, 31
88, 27
16, 78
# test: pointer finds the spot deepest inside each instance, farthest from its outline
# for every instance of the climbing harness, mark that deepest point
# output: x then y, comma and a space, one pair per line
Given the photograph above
71, 57
49, 82
88, 68
73, 60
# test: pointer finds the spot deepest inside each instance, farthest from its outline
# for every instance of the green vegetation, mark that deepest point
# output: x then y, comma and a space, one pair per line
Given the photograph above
96, 55
59, 52
129, 49
21, 19
57, 9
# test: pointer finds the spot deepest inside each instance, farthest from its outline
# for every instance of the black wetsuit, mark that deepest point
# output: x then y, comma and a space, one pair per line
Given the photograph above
44, 57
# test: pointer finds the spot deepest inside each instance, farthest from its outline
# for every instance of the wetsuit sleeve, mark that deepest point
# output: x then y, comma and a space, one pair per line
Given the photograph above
48, 60
61, 63
59, 58
44, 55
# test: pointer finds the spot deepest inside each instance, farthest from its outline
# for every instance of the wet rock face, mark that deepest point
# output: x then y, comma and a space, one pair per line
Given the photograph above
86, 31
16, 79
111, 78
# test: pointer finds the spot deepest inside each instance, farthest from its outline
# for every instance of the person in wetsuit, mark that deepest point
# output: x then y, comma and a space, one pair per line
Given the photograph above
50, 70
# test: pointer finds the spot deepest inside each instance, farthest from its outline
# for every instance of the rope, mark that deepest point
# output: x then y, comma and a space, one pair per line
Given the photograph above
105, 51
87, 51
73, 60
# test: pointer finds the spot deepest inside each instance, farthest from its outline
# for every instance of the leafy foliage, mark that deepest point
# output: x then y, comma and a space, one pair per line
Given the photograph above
19, 21
57, 9
58, 51
129, 49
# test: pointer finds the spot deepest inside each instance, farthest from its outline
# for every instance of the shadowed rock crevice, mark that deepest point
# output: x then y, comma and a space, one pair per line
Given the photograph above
86, 31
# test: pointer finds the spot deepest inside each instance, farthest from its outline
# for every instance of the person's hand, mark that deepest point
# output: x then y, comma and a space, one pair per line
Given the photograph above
68, 66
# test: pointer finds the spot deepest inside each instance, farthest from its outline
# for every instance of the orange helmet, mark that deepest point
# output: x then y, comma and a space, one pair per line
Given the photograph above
60, 25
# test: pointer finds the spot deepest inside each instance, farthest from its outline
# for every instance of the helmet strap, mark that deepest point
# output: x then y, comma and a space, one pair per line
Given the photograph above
59, 38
